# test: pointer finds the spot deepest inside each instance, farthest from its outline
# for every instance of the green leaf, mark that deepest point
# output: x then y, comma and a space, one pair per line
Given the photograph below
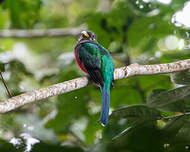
24, 13
18, 74
124, 95
182, 139
18, 67
48, 147
109, 26
71, 106
182, 77
172, 56
174, 6
148, 27
148, 136
120, 94
136, 111
136, 116
1, 50
152, 95
145, 134
149, 83
5, 146
172, 128
92, 128
146, 7
165, 99
2, 67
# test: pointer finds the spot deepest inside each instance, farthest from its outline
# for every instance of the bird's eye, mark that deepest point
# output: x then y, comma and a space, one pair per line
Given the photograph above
94, 37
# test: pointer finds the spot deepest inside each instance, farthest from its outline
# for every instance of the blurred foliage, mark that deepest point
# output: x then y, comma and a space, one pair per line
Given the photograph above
147, 111
23, 14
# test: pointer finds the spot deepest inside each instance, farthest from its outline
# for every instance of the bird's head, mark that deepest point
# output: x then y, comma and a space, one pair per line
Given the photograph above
87, 35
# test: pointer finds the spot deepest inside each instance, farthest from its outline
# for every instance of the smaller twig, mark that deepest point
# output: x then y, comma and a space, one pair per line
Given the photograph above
5, 84
140, 90
175, 116
78, 140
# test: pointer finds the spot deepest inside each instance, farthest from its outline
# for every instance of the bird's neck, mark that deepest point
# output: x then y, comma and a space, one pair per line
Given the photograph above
85, 40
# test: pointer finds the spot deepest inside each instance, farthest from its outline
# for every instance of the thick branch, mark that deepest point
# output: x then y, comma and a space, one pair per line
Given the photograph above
67, 86
41, 32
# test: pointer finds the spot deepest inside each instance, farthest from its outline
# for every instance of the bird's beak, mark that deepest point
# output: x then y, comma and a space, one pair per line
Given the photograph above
85, 34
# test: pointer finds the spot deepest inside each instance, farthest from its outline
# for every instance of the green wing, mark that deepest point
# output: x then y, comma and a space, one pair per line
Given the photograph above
90, 57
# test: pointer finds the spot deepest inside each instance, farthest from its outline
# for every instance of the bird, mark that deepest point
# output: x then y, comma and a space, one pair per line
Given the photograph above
97, 62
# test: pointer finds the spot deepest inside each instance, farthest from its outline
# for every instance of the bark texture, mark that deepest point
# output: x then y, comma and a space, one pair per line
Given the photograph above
67, 86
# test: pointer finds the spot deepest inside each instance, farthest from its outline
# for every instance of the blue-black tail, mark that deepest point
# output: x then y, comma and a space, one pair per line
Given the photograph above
105, 105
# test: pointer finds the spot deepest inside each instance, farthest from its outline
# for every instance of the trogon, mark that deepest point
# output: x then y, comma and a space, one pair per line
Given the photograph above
97, 62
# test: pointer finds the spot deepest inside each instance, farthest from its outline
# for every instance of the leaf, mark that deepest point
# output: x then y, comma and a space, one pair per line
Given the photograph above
174, 6
136, 111
48, 147
120, 94
172, 128
145, 134
136, 116
23, 13
2, 67
182, 77
1, 50
163, 99
92, 128
18, 67
71, 106
18, 74
154, 26
153, 94
182, 137
149, 83
109, 26
5, 146
172, 56
146, 7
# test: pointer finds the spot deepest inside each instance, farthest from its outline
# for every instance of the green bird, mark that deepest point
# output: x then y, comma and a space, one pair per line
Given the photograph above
96, 61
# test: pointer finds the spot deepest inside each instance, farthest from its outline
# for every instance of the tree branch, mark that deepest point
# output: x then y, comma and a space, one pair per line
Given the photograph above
67, 86
105, 5
42, 32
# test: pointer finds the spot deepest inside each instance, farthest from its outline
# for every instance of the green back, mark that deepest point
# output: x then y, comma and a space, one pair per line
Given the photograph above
97, 56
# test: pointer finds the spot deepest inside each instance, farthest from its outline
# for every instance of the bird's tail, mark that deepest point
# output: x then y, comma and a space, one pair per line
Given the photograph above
105, 105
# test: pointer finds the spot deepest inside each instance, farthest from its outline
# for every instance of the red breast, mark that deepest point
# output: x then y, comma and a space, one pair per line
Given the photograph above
78, 59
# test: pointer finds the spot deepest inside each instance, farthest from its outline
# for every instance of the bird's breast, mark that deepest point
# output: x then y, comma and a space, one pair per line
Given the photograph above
78, 59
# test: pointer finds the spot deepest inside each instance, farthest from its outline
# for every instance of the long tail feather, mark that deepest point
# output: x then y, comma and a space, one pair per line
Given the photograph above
105, 106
